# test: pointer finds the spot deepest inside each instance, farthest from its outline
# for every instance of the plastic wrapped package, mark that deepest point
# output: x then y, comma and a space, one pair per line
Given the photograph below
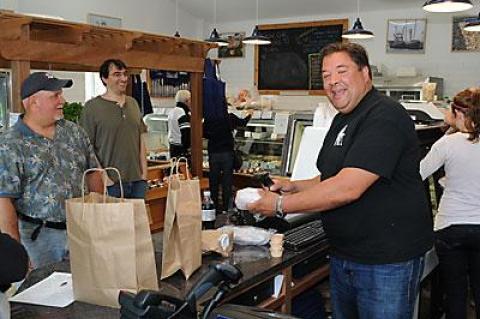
246, 196
249, 235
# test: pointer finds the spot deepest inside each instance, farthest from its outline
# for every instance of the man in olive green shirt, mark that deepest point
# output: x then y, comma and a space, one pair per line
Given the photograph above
114, 124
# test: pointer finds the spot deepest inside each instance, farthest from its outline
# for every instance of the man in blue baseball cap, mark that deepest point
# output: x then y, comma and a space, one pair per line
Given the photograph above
42, 160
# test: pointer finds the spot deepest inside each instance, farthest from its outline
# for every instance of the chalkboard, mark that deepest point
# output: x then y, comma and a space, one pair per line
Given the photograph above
291, 62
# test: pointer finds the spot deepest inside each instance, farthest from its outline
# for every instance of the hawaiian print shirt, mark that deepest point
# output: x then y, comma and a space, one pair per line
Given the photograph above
41, 173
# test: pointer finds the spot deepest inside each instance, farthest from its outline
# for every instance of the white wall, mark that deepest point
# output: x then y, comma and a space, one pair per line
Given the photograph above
459, 69
156, 16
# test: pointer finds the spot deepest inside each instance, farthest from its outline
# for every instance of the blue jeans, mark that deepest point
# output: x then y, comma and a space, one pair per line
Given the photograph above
135, 189
374, 291
49, 247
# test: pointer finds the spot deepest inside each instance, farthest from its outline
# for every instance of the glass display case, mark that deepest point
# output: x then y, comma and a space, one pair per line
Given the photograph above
261, 147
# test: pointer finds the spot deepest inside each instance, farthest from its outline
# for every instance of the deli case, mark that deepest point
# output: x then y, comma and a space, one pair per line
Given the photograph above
264, 149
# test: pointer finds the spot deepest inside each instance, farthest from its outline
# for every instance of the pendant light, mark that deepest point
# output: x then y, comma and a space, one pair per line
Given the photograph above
473, 24
447, 5
358, 32
255, 38
214, 36
177, 34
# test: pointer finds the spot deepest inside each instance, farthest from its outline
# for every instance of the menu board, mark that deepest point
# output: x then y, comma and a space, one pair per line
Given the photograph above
292, 61
315, 72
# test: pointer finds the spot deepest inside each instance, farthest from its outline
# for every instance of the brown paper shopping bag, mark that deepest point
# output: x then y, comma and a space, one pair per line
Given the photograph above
182, 240
110, 247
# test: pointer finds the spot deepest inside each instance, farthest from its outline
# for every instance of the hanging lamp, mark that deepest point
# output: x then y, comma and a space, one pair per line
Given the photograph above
177, 34
255, 38
447, 5
214, 36
358, 32
473, 24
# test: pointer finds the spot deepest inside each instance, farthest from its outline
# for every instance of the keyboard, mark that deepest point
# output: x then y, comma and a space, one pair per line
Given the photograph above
304, 235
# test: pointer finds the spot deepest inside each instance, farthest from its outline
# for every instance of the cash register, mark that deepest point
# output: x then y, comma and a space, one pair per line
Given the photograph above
423, 112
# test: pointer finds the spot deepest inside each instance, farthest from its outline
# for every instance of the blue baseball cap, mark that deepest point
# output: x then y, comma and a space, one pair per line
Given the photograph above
42, 81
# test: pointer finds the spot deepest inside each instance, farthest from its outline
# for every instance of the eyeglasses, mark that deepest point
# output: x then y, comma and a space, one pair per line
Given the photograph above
457, 107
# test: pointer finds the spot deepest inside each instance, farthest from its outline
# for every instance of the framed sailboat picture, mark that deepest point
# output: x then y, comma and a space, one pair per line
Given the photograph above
406, 35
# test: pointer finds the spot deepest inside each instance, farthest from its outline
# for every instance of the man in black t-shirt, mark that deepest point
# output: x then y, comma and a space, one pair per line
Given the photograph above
369, 191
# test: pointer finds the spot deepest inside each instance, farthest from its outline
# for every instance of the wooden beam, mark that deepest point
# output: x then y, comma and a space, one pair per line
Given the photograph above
20, 71
196, 82
63, 53
11, 29
60, 34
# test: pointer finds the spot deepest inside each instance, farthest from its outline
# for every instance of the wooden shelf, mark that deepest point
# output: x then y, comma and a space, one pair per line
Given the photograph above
294, 288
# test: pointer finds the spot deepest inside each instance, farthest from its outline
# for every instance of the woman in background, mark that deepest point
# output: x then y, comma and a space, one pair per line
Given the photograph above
457, 223
218, 129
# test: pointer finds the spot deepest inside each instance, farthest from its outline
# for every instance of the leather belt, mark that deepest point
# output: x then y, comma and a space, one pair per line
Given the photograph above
41, 223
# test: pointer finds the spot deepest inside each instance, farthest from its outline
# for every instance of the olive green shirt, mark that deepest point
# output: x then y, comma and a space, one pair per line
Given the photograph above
115, 134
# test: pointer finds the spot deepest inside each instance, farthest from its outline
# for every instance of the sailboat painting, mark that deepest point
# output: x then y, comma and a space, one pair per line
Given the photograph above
406, 35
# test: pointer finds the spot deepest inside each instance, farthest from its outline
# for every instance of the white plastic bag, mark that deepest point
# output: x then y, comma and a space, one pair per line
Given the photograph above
249, 235
246, 196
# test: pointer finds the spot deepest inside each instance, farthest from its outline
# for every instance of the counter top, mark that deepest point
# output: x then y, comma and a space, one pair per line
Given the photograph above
255, 263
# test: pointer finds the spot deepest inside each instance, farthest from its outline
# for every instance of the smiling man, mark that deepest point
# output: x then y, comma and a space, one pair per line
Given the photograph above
42, 160
374, 207
114, 124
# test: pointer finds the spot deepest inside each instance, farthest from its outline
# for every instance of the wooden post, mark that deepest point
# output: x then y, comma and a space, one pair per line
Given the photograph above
287, 290
20, 71
196, 79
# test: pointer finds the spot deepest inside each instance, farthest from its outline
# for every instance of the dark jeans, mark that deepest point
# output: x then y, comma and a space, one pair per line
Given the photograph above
458, 250
135, 189
221, 167
361, 291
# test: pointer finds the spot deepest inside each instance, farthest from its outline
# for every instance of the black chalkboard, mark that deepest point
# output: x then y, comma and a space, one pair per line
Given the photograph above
286, 63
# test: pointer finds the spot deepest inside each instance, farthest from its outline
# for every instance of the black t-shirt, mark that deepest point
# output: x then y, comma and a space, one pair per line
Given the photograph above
391, 222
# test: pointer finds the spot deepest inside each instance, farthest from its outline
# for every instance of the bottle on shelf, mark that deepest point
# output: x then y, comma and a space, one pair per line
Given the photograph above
208, 211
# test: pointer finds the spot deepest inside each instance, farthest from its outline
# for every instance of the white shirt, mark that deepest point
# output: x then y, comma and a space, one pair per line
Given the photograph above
177, 120
460, 203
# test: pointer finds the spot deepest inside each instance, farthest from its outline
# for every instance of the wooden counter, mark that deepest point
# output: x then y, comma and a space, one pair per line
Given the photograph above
255, 263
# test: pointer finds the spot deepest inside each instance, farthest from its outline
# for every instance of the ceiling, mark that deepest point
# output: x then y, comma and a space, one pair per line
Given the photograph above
240, 10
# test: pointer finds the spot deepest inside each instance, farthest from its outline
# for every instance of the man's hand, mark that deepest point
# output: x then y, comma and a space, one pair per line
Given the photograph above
283, 185
265, 205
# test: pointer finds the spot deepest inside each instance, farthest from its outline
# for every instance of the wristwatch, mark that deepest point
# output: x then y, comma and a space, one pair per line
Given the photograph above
278, 207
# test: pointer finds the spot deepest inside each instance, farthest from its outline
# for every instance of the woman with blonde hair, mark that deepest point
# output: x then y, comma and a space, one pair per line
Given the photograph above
457, 223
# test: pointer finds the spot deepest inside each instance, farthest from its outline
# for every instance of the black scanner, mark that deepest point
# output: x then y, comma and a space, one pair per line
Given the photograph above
151, 304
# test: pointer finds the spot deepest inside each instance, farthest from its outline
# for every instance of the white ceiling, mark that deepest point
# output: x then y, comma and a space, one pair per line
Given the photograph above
240, 10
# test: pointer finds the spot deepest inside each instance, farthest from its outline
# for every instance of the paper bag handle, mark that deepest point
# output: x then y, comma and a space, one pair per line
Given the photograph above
176, 163
104, 177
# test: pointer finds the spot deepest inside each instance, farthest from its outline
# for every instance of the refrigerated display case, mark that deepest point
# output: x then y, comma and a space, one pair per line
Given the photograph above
264, 150
4, 99
261, 147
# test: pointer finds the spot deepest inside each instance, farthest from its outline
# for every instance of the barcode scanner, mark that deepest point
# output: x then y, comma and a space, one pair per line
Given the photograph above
264, 179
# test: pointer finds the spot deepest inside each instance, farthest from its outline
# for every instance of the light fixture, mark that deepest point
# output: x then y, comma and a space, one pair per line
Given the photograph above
358, 32
473, 24
214, 36
447, 5
255, 38
177, 34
